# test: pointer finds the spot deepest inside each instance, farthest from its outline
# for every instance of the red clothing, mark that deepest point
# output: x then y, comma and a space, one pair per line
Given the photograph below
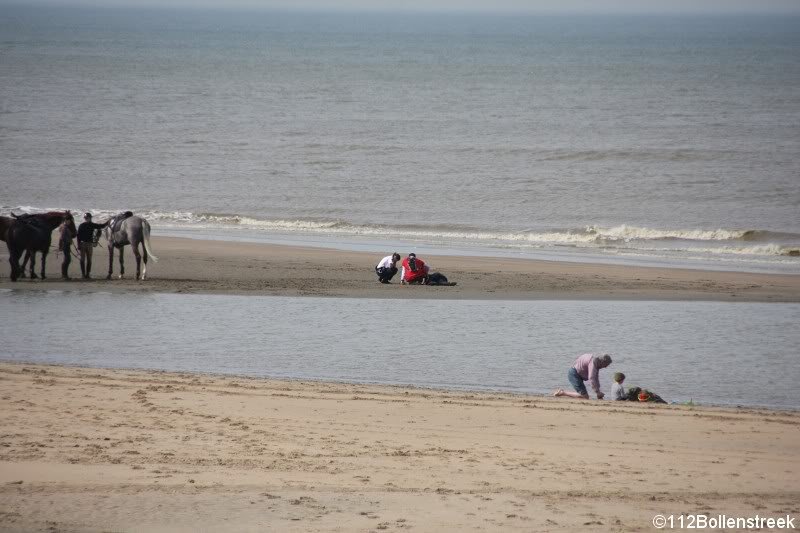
420, 271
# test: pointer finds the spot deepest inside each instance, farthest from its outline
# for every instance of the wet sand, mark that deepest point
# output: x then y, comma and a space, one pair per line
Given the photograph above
195, 266
99, 450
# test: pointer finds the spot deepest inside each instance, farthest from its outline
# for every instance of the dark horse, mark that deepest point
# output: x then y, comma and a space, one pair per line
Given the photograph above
127, 228
5, 223
32, 233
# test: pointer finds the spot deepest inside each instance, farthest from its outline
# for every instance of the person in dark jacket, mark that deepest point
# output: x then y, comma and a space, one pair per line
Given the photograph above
86, 243
65, 247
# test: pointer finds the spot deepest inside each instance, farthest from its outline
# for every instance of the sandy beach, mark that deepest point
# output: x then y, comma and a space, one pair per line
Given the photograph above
119, 450
115, 450
606, 177
196, 266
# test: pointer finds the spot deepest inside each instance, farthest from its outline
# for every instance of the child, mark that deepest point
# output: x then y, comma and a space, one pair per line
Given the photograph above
617, 390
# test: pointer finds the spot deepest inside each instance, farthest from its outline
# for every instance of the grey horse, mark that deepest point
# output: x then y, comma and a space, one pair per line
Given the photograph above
127, 228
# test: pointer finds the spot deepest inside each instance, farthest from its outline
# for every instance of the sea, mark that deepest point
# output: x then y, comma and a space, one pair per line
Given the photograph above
667, 140
650, 139
703, 353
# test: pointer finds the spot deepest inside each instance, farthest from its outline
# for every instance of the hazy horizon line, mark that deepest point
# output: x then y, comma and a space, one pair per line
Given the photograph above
460, 10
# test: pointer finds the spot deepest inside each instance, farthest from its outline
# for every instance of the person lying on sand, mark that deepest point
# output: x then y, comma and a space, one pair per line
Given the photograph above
586, 368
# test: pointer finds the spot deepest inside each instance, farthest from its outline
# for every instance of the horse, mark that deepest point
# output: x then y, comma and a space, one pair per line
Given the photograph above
32, 233
124, 229
5, 223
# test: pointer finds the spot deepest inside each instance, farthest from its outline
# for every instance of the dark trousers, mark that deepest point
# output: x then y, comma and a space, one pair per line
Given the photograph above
385, 274
67, 259
86, 249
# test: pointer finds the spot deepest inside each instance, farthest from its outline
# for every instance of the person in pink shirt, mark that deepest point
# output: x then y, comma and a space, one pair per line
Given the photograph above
586, 368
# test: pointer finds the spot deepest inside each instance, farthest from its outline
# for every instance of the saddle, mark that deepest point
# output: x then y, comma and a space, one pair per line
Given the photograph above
29, 219
117, 220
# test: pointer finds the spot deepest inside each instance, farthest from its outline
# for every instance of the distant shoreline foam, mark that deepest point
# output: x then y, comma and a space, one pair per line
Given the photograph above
698, 244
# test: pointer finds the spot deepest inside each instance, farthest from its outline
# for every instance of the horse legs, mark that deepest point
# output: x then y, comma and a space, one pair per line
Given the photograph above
25, 261
110, 260
138, 257
32, 265
121, 261
144, 258
44, 259
13, 259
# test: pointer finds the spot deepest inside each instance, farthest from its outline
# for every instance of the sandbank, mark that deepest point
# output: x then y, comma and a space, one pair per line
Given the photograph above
198, 266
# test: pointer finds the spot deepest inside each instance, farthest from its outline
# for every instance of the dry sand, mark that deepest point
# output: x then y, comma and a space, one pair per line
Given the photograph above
188, 265
117, 450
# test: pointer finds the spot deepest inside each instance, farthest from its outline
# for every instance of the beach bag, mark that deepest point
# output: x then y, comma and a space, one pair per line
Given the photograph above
437, 278
638, 394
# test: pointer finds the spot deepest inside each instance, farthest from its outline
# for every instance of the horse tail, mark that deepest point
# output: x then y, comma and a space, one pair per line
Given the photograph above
146, 231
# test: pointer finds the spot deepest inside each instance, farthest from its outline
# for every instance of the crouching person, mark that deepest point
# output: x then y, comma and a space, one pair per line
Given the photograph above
413, 270
586, 368
387, 268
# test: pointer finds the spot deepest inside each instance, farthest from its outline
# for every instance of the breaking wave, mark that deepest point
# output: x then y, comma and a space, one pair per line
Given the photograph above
742, 242
719, 241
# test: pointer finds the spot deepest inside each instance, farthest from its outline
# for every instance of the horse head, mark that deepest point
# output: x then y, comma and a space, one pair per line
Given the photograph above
69, 220
52, 219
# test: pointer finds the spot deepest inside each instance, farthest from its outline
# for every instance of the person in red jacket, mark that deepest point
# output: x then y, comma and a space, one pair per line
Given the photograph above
413, 270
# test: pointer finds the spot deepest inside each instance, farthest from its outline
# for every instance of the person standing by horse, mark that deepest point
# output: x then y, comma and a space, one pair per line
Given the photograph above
65, 247
86, 243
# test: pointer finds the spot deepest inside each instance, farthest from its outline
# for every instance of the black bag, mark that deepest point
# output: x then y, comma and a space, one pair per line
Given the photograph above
437, 278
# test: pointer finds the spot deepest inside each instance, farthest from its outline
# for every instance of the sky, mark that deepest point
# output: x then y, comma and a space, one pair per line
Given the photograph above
522, 6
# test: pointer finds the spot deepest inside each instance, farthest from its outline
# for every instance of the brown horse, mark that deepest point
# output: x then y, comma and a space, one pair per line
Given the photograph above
32, 233
5, 223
